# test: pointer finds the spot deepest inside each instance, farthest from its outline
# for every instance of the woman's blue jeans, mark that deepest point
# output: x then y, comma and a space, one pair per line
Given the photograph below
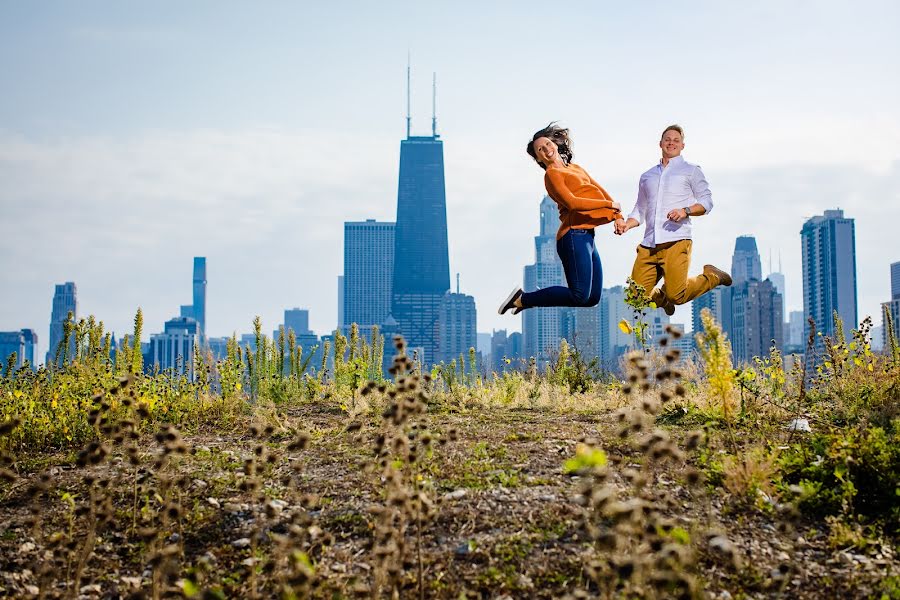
584, 274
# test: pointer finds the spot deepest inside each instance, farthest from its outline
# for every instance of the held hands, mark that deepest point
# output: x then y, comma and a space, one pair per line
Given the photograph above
621, 225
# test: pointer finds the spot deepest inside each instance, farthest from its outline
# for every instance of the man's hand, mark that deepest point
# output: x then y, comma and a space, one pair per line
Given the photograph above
621, 225
677, 214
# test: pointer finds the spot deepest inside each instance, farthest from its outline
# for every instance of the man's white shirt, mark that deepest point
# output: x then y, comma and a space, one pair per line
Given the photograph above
677, 185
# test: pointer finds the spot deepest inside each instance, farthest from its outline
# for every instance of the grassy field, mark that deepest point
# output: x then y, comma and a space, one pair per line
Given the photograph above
682, 480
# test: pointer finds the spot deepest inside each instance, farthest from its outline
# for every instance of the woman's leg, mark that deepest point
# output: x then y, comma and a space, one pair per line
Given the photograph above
576, 250
596, 278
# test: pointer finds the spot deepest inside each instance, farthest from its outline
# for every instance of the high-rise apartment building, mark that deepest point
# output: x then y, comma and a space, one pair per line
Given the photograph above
65, 300
544, 327
829, 271
368, 273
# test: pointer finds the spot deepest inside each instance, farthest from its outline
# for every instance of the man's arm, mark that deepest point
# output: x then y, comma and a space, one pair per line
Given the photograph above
703, 198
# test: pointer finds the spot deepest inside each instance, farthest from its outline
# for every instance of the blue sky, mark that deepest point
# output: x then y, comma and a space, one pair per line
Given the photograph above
134, 136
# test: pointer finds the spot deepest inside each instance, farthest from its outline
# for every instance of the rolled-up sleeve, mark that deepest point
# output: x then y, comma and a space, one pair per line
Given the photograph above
639, 205
700, 188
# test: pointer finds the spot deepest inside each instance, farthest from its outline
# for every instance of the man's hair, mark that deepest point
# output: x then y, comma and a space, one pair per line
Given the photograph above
673, 127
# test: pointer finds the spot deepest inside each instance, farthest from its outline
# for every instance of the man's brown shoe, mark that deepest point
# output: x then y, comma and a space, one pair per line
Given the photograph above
668, 306
723, 277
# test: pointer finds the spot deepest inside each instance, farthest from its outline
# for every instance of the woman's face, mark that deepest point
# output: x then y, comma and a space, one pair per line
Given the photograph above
545, 150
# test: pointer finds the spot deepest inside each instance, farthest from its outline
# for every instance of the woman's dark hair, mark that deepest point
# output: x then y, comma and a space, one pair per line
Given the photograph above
559, 136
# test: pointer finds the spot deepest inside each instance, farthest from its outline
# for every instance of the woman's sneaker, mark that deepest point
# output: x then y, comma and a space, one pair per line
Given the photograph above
510, 301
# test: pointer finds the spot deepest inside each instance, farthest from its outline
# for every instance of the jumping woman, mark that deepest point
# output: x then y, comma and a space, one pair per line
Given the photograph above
583, 205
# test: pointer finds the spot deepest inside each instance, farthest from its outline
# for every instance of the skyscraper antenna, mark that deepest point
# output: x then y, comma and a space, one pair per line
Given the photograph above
457, 283
408, 117
434, 106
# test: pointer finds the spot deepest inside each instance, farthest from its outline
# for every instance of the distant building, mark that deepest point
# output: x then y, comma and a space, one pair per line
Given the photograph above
745, 262
684, 343
718, 301
892, 307
457, 318
65, 300
11, 342
543, 328
829, 271
895, 280
614, 342
757, 320
218, 347
585, 334
30, 337
173, 350
368, 272
795, 342
341, 321
421, 274
199, 289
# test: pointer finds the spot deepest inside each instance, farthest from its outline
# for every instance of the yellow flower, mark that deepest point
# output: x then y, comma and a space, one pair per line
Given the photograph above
625, 326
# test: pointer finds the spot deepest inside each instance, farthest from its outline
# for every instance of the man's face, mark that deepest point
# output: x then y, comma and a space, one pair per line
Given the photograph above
671, 144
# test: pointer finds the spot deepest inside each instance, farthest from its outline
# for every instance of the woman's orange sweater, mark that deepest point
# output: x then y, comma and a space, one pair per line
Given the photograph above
582, 203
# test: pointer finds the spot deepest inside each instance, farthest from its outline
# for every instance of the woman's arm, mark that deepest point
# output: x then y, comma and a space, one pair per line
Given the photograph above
554, 180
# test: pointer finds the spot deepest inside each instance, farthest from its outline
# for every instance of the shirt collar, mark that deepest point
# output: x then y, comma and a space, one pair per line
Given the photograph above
672, 161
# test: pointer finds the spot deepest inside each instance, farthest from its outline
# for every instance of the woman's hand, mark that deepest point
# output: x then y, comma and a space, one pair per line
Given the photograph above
616, 206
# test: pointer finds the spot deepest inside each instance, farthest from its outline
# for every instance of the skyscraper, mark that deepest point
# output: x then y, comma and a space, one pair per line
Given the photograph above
614, 342
65, 300
757, 320
199, 313
795, 331
421, 257
895, 280
543, 328
718, 301
11, 342
368, 271
892, 307
745, 263
829, 271
457, 320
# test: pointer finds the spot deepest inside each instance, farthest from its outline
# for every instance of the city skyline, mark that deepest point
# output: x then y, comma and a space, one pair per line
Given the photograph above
114, 181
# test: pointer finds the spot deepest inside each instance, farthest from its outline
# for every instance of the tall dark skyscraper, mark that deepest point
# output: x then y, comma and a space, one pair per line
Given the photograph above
829, 271
65, 300
421, 256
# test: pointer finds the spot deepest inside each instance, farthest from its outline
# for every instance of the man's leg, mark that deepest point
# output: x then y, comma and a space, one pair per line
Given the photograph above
678, 287
646, 272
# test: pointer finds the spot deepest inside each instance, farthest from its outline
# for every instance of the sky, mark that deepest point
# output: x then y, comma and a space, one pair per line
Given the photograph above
135, 136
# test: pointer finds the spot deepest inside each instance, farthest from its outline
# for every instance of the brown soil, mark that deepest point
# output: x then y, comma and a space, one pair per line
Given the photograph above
507, 526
